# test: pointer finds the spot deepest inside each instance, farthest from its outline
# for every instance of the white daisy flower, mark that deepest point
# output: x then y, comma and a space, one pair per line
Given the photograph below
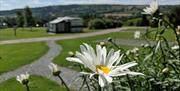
23, 78
55, 69
102, 63
137, 34
152, 8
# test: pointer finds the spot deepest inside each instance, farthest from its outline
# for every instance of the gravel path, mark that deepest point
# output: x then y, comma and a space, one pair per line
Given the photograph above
40, 67
63, 37
133, 42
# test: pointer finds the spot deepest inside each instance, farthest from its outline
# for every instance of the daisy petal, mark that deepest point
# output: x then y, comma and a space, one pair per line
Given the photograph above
101, 81
73, 59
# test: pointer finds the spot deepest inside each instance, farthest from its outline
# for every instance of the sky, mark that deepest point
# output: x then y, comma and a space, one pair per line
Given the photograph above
14, 4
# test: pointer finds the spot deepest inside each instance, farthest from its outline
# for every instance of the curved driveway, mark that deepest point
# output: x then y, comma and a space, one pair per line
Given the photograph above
55, 38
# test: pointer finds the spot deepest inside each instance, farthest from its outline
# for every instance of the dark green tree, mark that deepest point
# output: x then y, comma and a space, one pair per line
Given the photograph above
10, 21
174, 16
28, 17
145, 21
19, 19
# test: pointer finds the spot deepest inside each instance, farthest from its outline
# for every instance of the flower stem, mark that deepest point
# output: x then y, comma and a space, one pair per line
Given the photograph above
99, 88
63, 82
84, 78
174, 30
27, 87
113, 87
129, 80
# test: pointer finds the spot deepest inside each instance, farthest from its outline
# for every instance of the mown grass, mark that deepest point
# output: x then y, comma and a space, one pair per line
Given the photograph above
168, 34
8, 33
36, 83
16, 55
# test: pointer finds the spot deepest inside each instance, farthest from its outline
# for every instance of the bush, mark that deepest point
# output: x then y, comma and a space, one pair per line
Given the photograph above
174, 16
96, 24
140, 21
104, 23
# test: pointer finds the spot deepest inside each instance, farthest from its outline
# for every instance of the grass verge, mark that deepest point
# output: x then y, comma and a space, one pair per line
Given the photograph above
17, 55
36, 83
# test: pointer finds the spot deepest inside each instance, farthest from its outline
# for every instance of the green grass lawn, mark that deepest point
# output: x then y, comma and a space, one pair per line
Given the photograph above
74, 44
36, 83
8, 34
168, 34
16, 55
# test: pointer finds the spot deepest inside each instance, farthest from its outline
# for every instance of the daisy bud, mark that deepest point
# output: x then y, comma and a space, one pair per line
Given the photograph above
178, 27
55, 69
160, 14
109, 39
142, 45
135, 50
71, 54
158, 37
154, 18
176, 47
146, 45
165, 70
178, 32
128, 52
102, 43
23, 78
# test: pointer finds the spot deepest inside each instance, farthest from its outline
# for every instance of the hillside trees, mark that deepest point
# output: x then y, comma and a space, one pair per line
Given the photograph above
103, 23
174, 16
19, 19
28, 17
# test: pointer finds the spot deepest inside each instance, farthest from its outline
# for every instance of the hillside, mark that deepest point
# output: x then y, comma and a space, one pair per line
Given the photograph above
76, 10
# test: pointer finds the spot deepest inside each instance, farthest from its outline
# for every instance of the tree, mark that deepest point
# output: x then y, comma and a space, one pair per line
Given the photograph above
19, 19
10, 21
97, 24
174, 16
145, 21
28, 17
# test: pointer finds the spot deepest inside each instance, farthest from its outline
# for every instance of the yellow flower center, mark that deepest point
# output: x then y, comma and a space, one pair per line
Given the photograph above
105, 69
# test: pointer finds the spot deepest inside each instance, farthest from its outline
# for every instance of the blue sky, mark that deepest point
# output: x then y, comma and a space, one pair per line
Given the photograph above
13, 4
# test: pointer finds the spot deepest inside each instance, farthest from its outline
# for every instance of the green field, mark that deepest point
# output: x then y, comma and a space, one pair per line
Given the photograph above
8, 34
16, 55
36, 83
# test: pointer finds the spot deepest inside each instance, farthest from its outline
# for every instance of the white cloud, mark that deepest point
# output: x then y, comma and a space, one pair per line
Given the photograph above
35, 2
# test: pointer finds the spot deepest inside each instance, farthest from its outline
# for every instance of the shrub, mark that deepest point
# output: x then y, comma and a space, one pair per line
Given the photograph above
96, 24
104, 23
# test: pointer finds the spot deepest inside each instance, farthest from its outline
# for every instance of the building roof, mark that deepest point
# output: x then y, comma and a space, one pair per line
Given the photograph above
60, 19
